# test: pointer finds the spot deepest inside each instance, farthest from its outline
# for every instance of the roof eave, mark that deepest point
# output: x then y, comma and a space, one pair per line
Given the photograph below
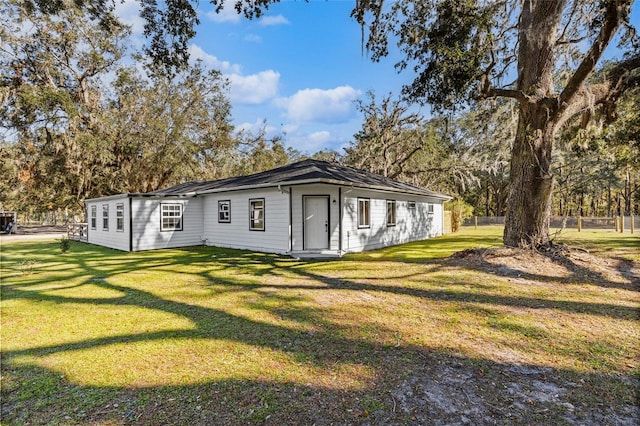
327, 181
109, 197
140, 195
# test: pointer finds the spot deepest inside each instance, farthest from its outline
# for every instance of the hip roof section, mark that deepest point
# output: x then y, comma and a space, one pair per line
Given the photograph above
302, 172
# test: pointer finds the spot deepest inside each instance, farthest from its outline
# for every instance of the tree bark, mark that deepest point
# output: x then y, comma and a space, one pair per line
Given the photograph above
627, 194
530, 193
543, 111
487, 201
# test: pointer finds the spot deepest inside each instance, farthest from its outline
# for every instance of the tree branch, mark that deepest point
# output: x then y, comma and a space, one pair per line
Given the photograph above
620, 77
494, 92
560, 42
401, 163
612, 19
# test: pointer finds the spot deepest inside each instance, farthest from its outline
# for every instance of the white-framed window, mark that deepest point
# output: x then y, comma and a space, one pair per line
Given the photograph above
364, 213
105, 217
429, 208
94, 217
391, 212
120, 217
224, 211
256, 214
171, 217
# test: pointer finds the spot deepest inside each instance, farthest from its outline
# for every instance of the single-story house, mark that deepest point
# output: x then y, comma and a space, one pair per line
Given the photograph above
309, 208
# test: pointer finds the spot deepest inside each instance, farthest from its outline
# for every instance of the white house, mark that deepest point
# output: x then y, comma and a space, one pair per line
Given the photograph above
311, 208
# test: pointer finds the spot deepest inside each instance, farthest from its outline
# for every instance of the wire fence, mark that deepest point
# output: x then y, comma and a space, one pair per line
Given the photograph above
617, 223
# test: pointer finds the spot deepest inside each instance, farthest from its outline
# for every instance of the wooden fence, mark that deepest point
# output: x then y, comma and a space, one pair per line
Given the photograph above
77, 231
617, 223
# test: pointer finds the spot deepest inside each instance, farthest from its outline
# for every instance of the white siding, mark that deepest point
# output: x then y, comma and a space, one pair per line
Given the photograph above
282, 233
110, 237
298, 194
411, 225
236, 233
147, 234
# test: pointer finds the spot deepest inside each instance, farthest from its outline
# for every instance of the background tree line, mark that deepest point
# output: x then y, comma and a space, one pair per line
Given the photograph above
466, 155
80, 119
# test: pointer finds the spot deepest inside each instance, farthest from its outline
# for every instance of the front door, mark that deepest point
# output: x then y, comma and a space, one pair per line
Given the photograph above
316, 222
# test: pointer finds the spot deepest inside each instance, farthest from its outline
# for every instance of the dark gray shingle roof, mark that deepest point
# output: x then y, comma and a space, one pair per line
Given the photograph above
307, 171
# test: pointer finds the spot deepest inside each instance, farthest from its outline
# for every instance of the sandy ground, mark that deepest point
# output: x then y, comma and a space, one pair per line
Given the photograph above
35, 233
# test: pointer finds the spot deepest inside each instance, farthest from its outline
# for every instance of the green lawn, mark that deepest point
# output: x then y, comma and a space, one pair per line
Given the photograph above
214, 336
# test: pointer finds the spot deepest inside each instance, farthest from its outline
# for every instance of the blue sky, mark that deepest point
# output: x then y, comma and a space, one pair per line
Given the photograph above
300, 67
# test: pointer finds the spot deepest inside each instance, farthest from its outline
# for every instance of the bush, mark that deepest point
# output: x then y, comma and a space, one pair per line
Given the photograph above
459, 212
65, 244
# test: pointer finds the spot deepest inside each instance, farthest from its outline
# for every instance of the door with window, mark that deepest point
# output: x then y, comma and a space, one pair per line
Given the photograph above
316, 222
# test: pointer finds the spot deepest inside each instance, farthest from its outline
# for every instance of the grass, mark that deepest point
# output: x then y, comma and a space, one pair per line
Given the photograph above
215, 336
606, 242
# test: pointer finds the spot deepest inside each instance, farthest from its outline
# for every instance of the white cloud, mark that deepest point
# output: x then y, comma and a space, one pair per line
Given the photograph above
252, 38
312, 142
273, 20
244, 89
227, 14
317, 105
128, 12
254, 89
290, 127
211, 61
320, 138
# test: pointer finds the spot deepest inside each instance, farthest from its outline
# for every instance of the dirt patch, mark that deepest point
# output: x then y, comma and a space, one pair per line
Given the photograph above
45, 229
558, 262
449, 392
35, 232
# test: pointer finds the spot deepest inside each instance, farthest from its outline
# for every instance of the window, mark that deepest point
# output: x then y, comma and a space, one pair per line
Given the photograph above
429, 208
171, 219
364, 214
120, 217
256, 215
391, 212
94, 217
411, 205
105, 217
224, 211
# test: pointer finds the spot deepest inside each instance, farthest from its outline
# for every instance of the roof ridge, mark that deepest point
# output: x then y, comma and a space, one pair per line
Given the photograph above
307, 170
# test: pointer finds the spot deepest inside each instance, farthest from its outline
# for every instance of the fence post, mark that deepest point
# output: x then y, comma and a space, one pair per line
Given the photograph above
622, 223
632, 223
616, 221
475, 221
579, 223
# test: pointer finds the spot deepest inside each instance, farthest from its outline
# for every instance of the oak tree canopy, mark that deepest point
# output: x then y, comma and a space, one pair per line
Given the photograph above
540, 54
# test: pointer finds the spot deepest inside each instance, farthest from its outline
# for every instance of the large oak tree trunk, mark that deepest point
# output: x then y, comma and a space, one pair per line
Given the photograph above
543, 111
531, 189
531, 180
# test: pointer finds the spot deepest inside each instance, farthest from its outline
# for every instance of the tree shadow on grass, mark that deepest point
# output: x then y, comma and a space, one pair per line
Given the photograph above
259, 265
438, 250
413, 386
409, 384
602, 309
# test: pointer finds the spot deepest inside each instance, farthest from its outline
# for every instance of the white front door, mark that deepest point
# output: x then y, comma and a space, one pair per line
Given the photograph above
316, 222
